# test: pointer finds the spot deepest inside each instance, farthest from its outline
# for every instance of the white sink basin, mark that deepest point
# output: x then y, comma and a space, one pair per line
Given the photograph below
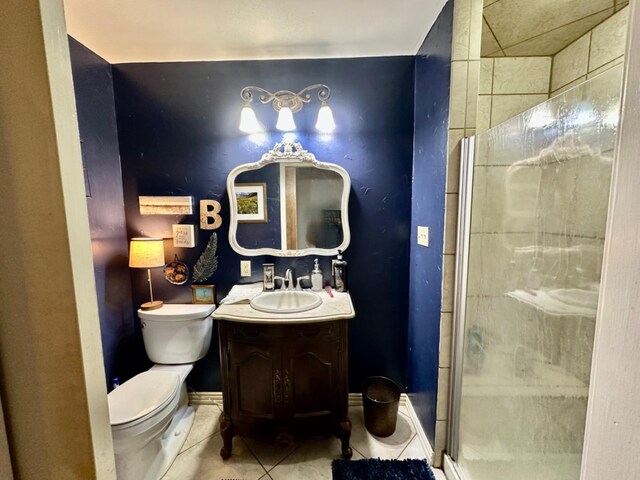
288, 301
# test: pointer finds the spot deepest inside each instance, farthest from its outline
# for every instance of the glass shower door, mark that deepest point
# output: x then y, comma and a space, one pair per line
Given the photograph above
538, 208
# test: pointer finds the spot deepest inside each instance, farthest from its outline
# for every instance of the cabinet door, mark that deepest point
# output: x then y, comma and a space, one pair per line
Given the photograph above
311, 380
255, 377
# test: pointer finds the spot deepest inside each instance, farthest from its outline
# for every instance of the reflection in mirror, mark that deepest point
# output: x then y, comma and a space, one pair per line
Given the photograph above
312, 207
305, 201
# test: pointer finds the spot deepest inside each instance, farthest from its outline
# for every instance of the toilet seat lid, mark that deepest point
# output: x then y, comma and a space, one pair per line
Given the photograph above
142, 395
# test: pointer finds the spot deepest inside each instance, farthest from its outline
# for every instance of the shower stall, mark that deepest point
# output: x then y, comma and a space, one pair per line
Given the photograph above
533, 209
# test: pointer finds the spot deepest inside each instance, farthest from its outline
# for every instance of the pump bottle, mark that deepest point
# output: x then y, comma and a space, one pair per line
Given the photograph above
340, 274
316, 277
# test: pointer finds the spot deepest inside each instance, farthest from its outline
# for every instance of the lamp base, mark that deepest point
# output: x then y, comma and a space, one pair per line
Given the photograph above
151, 305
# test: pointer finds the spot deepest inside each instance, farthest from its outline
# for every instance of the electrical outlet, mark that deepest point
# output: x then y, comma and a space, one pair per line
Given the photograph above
423, 236
245, 268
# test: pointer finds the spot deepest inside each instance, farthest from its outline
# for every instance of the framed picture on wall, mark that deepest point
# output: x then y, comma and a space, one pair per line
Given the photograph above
251, 199
203, 294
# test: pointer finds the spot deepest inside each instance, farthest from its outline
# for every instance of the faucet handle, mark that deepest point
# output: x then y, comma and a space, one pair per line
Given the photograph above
304, 277
277, 277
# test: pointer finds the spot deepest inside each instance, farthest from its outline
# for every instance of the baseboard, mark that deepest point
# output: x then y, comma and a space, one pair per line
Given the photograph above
355, 399
215, 398
419, 430
205, 398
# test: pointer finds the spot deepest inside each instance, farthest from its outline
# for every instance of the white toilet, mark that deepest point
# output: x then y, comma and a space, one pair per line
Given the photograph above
150, 415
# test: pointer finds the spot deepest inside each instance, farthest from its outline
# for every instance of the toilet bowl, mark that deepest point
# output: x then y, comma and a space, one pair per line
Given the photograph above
150, 415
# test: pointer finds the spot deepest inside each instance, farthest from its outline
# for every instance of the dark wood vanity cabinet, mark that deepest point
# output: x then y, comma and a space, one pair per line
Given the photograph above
283, 380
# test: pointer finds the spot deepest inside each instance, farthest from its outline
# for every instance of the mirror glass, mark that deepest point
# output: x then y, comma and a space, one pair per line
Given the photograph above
288, 204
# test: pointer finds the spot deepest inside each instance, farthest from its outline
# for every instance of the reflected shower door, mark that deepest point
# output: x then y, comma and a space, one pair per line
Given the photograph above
541, 185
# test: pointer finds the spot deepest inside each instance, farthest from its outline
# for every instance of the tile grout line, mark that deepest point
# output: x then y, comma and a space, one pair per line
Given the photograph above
408, 443
494, 36
266, 472
589, 54
198, 442
562, 26
284, 458
359, 452
281, 460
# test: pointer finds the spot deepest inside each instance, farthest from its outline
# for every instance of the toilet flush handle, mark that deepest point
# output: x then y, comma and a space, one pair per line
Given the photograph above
143, 324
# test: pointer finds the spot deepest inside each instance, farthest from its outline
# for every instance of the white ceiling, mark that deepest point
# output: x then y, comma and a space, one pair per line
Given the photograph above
124, 31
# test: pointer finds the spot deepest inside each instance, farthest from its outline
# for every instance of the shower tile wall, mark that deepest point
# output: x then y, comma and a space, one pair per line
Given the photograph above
510, 85
596, 51
509, 29
540, 197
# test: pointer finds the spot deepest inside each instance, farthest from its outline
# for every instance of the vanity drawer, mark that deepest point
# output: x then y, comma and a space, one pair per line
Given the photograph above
247, 331
321, 330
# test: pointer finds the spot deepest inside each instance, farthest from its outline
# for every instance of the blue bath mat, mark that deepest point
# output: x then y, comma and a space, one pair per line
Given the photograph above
376, 469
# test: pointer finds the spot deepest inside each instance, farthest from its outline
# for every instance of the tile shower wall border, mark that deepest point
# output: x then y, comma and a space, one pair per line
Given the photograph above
465, 77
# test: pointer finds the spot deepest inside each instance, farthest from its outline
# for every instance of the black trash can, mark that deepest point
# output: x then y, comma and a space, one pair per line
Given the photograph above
380, 400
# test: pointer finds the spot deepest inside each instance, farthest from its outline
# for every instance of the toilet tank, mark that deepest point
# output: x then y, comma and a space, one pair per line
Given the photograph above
177, 333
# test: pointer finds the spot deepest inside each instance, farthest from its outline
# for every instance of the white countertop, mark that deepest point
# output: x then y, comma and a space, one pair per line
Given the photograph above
337, 308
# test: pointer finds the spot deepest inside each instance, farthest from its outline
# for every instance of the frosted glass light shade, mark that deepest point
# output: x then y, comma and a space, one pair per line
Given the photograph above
325, 122
146, 253
248, 121
285, 120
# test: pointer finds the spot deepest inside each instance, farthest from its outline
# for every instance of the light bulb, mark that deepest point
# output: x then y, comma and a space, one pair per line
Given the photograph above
285, 120
325, 122
248, 121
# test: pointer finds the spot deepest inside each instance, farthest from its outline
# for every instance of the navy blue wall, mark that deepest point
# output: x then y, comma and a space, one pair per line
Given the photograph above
93, 85
178, 130
432, 78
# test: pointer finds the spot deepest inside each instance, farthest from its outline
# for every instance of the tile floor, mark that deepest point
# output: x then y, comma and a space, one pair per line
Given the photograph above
308, 460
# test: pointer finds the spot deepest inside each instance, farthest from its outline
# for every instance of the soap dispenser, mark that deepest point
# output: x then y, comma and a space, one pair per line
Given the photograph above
340, 273
316, 277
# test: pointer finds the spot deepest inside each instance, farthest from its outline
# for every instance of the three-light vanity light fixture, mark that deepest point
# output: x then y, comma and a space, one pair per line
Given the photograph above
286, 103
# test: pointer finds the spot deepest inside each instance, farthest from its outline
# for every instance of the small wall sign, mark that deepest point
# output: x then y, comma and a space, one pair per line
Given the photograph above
184, 236
209, 218
165, 205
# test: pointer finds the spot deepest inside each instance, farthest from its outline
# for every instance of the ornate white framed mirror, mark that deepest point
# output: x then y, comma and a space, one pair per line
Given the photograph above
289, 204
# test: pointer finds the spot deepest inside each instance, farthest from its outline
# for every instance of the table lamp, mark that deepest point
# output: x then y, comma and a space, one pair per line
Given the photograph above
147, 253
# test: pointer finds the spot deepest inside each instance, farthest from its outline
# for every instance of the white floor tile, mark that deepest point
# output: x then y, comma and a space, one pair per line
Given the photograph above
268, 452
311, 461
413, 450
203, 461
204, 425
380, 447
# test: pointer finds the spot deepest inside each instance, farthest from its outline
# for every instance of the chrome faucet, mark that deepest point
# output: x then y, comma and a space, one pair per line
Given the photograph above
288, 278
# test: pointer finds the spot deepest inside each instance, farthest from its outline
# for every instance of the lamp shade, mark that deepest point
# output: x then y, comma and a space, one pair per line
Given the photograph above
285, 120
325, 122
248, 120
146, 253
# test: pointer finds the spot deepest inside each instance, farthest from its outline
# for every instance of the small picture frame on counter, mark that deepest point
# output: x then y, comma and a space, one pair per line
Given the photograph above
269, 277
203, 294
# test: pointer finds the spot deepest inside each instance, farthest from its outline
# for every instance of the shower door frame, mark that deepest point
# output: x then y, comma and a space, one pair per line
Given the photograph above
613, 397
465, 196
